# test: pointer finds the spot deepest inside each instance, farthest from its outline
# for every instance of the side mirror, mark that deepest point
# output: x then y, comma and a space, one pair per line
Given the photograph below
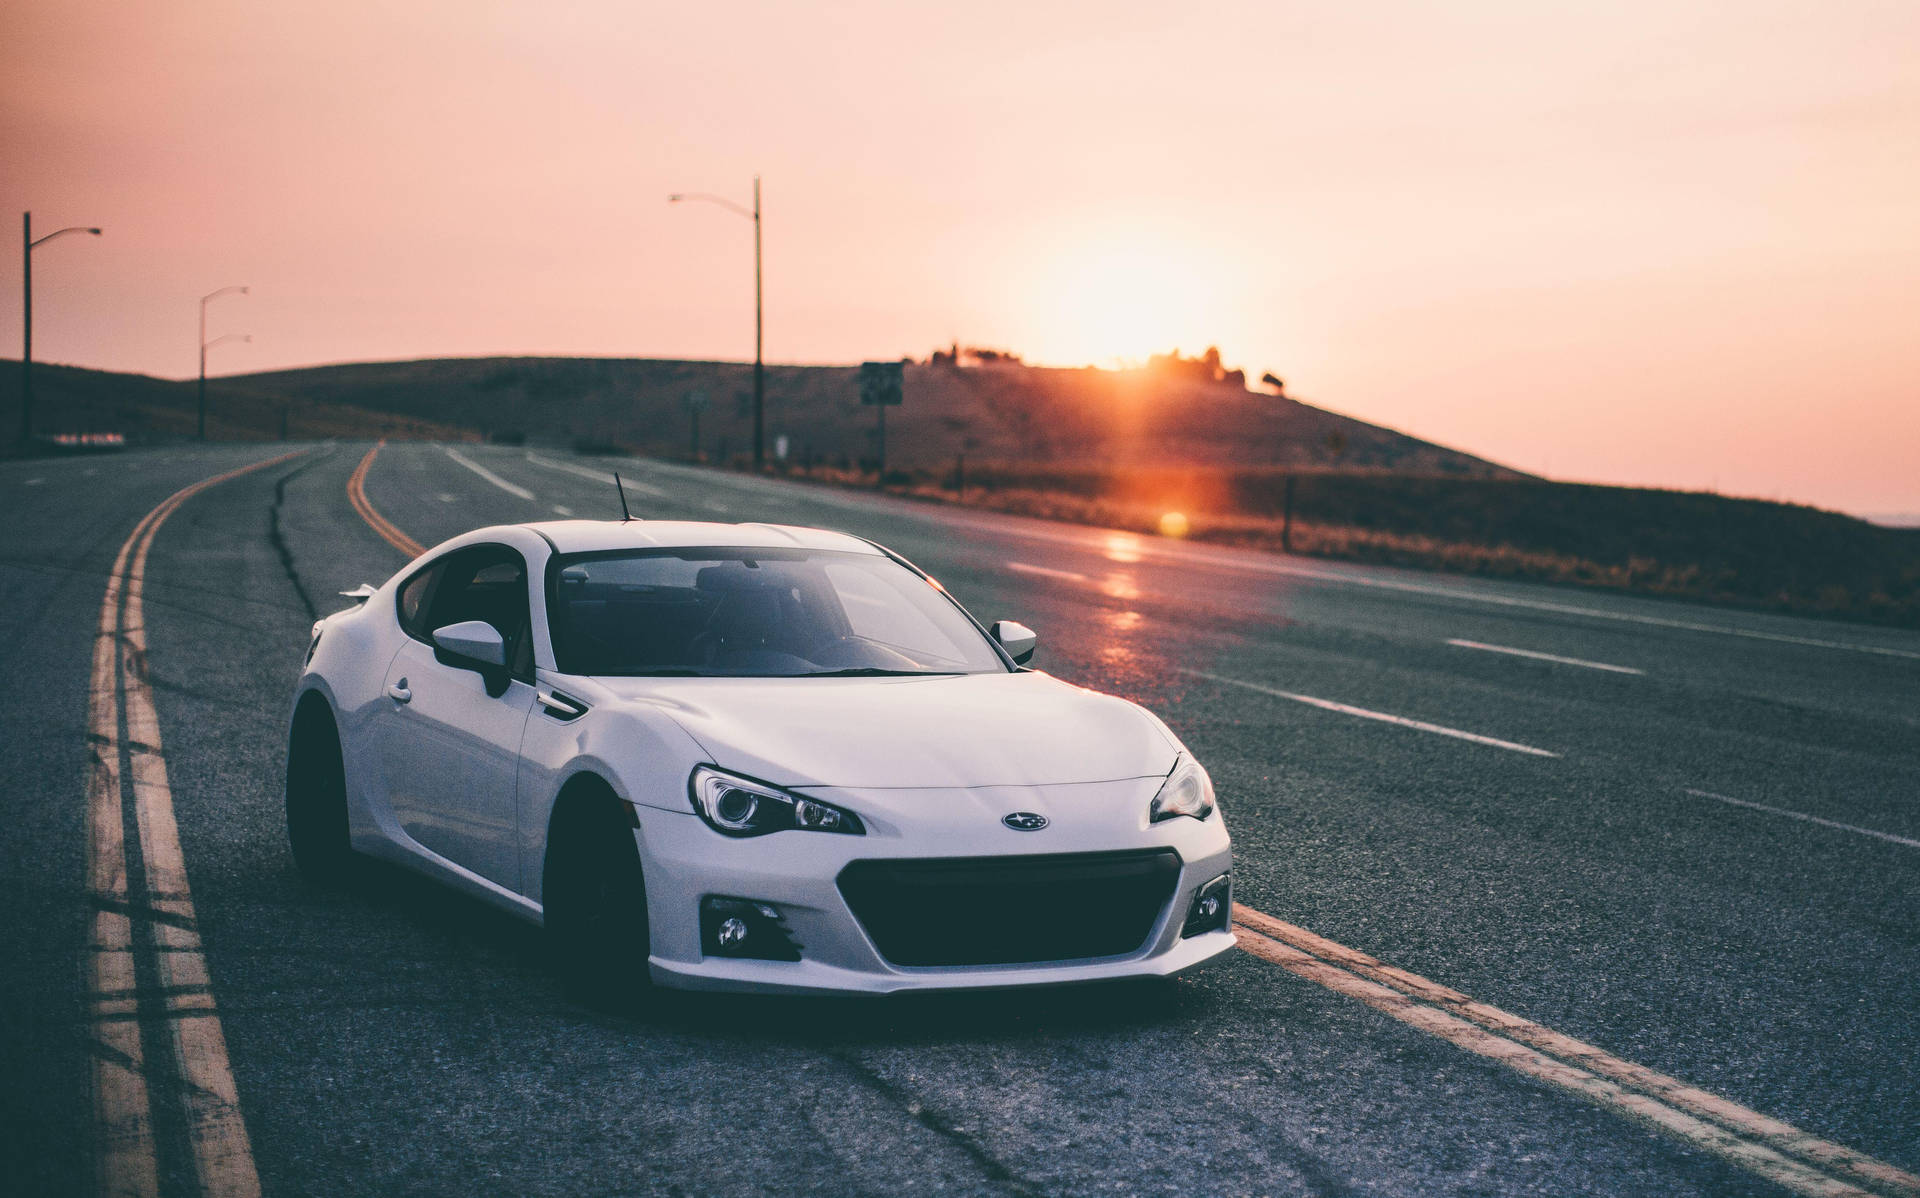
1017, 639
474, 645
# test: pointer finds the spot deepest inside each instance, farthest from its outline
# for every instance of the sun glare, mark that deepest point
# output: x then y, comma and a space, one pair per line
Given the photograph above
1117, 302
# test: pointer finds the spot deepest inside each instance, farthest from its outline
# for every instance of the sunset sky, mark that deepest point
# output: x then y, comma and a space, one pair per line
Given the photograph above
1672, 243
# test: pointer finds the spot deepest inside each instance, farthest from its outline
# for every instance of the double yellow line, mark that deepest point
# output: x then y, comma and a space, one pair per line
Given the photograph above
357, 496
1758, 1143
160, 908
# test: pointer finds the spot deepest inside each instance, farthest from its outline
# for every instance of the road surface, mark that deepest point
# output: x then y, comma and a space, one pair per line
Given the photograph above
1543, 891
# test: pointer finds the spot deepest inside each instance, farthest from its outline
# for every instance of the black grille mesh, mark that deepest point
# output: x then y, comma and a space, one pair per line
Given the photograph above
1010, 910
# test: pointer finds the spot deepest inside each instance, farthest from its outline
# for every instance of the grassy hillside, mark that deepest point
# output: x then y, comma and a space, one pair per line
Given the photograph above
69, 399
1004, 412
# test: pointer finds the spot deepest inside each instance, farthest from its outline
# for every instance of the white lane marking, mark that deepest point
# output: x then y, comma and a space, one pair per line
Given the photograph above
33, 482
1801, 815
1047, 572
1537, 656
714, 507
447, 497
483, 472
1089, 541
1759, 1143
1368, 714
1185, 552
599, 476
562, 510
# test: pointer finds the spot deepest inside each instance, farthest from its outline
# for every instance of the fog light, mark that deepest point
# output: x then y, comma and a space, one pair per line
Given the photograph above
1211, 909
745, 928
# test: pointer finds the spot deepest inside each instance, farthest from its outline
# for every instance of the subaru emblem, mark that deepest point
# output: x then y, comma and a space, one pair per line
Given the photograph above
1024, 821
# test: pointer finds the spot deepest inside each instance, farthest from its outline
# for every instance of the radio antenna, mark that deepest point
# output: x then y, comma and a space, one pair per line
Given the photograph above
624, 513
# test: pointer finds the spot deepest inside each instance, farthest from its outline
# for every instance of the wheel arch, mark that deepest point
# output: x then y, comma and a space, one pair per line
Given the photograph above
589, 796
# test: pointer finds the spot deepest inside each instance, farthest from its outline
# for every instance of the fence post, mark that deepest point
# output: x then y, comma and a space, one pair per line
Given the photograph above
1286, 519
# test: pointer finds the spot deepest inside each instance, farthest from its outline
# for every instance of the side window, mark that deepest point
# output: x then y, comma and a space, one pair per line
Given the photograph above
413, 603
487, 583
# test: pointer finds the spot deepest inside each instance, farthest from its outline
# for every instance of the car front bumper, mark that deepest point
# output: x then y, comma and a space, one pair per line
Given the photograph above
798, 873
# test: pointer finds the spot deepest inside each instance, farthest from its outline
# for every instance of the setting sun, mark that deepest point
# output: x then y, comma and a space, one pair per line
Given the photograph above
1116, 300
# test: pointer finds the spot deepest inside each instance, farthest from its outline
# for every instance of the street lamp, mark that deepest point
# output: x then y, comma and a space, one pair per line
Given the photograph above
27, 245
206, 345
759, 327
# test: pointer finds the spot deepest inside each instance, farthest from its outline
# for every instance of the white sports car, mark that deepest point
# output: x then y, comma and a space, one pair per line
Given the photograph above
748, 757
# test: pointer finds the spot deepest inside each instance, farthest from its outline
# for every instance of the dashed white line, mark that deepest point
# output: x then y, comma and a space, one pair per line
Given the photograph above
1538, 656
562, 510
1368, 714
1801, 815
599, 476
1046, 572
1187, 553
490, 476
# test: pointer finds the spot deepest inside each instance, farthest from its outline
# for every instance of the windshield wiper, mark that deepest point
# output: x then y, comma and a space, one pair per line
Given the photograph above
873, 672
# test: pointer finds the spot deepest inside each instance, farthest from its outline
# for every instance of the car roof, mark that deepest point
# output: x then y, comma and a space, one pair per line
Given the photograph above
594, 536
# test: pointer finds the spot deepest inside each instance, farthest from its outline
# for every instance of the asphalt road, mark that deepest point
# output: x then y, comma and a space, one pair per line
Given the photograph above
1762, 945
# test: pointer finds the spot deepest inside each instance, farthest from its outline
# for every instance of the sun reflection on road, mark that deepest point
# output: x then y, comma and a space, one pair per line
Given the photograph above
1123, 547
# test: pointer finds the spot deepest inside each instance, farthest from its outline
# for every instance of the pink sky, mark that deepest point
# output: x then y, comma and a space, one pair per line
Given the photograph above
1672, 243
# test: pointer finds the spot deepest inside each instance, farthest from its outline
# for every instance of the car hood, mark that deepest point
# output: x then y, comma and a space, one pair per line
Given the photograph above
1025, 729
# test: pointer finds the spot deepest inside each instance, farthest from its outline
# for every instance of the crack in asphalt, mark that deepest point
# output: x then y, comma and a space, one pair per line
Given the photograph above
279, 542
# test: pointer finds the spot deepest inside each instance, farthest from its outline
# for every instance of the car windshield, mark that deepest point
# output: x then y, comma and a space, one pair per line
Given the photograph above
756, 613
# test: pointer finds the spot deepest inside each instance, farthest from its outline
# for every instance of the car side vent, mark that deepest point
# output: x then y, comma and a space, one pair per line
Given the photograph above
560, 706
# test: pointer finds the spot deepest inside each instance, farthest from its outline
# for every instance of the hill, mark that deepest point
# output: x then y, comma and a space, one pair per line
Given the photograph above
71, 399
1003, 412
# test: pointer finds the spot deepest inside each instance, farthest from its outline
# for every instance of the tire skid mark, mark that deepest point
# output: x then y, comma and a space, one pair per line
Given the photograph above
126, 1162
1758, 1143
991, 1167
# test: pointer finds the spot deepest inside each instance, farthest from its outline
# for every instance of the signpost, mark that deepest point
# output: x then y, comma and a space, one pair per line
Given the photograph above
695, 401
880, 388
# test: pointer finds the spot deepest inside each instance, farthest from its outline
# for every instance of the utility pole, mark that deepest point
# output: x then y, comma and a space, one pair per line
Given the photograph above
759, 330
27, 246
200, 432
26, 330
759, 324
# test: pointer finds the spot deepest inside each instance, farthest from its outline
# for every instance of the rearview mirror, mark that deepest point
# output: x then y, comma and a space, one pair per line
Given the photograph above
1016, 638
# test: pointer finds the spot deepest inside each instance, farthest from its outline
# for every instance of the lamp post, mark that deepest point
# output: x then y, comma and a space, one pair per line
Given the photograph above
27, 245
759, 327
205, 345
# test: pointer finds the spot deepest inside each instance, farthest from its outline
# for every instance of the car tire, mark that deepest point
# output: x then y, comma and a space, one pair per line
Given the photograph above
595, 901
317, 798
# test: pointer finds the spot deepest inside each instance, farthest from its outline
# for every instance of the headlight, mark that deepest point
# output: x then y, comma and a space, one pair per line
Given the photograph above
737, 806
1187, 791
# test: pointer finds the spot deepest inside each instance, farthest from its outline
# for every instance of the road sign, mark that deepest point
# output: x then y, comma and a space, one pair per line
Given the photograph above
880, 383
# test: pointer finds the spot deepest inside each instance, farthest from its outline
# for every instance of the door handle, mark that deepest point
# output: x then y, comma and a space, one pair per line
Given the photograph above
399, 693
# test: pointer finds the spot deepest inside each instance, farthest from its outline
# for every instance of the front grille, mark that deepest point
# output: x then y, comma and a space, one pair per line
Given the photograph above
1010, 910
